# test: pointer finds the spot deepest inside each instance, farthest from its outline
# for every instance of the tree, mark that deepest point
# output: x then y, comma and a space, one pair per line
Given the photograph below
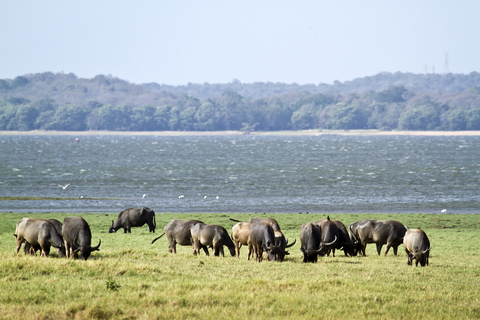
69, 118
205, 117
142, 118
419, 119
112, 117
473, 122
26, 117
343, 116
187, 119
162, 117
304, 118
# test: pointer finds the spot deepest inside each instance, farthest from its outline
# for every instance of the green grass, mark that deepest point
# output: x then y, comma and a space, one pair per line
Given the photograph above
45, 198
131, 279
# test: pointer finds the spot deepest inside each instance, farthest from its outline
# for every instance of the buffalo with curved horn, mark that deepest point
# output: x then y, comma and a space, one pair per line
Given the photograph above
78, 237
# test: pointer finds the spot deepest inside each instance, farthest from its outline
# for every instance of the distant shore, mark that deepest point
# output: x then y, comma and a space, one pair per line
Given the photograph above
313, 132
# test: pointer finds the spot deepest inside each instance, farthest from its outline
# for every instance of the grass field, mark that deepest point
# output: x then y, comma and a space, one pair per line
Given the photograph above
131, 279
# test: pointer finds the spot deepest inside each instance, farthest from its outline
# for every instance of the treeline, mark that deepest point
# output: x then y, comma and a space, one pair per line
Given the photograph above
49, 101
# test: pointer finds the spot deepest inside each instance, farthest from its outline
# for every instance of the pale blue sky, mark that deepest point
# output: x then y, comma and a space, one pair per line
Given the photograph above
176, 42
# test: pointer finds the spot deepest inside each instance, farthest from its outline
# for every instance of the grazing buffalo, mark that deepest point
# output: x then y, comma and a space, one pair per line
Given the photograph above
280, 241
241, 236
344, 242
78, 238
37, 233
60, 251
329, 235
417, 246
134, 218
310, 238
211, 235
380, 232
353, 228
262, 238
178, 232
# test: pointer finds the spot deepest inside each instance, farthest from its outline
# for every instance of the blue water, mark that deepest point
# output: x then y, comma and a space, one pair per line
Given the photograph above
326, 173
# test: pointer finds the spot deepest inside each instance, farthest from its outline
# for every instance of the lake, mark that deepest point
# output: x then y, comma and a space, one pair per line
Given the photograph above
290, 174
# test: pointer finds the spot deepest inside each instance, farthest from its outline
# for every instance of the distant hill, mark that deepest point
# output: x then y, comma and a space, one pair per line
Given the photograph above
386, 101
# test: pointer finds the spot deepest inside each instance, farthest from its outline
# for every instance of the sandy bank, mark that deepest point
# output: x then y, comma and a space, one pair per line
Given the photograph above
313, 132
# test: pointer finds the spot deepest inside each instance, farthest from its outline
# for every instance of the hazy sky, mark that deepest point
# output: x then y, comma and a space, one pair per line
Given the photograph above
216, 41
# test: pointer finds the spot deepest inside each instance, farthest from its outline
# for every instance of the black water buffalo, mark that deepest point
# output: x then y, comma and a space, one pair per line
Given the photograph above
417, 246
353, 228
310, 238
178, 232
280, 241
344, 242
37, 233
329, 235
262, 238
129, 218
78, 238
211, 235
380, 232
241, 236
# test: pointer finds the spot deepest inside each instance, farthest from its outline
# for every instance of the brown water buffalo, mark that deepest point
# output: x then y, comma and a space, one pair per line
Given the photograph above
280, 241
37, 233
417, 246
310, 238
78, 238
262, 238
211, 235
329, 235
178, 232
129, 218
60, 251
380, 232
241, 236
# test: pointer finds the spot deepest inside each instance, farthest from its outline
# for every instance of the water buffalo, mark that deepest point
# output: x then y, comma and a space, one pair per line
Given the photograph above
344, 242
280, 241
262, 238
178, 232
380, 232
353, 228
205, 235
329, 235
129, 218
37, 233
310, 238
241, 236
60, 251
417, 246
78, 237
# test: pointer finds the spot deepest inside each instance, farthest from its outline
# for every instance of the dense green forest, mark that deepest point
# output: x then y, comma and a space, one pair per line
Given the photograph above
386, 101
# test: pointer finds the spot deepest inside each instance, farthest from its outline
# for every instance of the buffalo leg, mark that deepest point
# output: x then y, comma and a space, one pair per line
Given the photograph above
379, 248
395, 250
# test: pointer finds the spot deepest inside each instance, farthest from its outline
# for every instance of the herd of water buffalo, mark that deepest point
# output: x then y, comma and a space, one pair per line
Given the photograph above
260, 235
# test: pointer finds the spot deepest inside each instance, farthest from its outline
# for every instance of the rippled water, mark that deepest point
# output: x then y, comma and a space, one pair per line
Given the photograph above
248, 173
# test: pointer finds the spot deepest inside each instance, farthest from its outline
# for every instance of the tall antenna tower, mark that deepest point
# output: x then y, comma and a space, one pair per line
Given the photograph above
446, 68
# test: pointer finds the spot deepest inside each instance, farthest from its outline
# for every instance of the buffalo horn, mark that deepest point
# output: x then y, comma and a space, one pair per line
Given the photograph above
96, 248
330, 243
291, 245
427, 250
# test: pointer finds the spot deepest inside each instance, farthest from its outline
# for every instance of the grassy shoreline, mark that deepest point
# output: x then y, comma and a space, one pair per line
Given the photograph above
131, 279
312, 132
